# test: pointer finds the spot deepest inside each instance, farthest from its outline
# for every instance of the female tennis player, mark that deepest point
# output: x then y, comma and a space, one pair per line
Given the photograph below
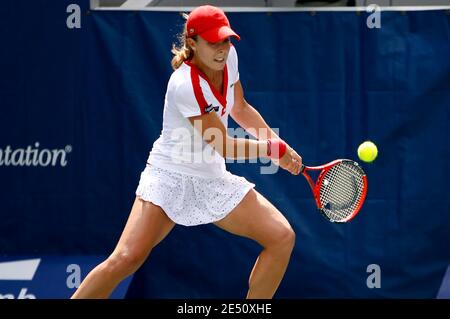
186, 182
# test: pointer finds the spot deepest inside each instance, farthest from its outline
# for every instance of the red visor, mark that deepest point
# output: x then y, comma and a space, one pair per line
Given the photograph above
210, 23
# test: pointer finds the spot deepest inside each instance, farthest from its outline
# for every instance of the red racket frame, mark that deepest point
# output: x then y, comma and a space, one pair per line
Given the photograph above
315, 187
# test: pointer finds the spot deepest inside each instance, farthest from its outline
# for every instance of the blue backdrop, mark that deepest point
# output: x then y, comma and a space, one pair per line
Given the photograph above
80, 109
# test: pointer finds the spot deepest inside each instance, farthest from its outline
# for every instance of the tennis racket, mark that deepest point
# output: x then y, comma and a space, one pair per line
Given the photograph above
340, 189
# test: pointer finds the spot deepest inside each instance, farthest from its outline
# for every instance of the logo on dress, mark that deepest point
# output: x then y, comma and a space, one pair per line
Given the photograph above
210, 108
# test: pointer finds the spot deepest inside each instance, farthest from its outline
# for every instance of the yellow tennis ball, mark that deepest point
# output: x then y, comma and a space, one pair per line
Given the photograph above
367, 151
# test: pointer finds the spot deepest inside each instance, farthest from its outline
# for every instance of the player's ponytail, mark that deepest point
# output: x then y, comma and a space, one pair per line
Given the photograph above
182, 52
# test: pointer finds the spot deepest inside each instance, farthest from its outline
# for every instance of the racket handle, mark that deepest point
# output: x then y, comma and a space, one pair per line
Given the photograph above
302, 168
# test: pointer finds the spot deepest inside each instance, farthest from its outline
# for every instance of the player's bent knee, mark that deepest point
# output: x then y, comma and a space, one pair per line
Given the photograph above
285, 239
289, 237
124, 263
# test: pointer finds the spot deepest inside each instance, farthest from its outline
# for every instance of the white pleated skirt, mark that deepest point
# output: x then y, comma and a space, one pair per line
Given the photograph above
192, 200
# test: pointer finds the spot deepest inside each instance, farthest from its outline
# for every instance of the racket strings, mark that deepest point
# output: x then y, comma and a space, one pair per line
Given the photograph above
341, 190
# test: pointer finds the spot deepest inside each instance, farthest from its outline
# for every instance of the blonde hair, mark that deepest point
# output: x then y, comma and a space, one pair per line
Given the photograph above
183, 51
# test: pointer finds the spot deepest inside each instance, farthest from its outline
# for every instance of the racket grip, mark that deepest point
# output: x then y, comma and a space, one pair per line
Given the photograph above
302, 168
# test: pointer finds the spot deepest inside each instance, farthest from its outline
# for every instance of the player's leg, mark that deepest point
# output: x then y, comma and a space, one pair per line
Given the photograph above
256, 218
147, 225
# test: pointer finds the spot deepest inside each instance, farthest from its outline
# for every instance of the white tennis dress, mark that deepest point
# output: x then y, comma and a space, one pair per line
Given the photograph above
184, 175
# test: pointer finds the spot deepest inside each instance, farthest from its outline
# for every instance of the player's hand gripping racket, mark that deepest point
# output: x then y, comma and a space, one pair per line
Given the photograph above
340, 189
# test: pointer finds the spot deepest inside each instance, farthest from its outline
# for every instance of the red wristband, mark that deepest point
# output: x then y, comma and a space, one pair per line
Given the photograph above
276, 148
